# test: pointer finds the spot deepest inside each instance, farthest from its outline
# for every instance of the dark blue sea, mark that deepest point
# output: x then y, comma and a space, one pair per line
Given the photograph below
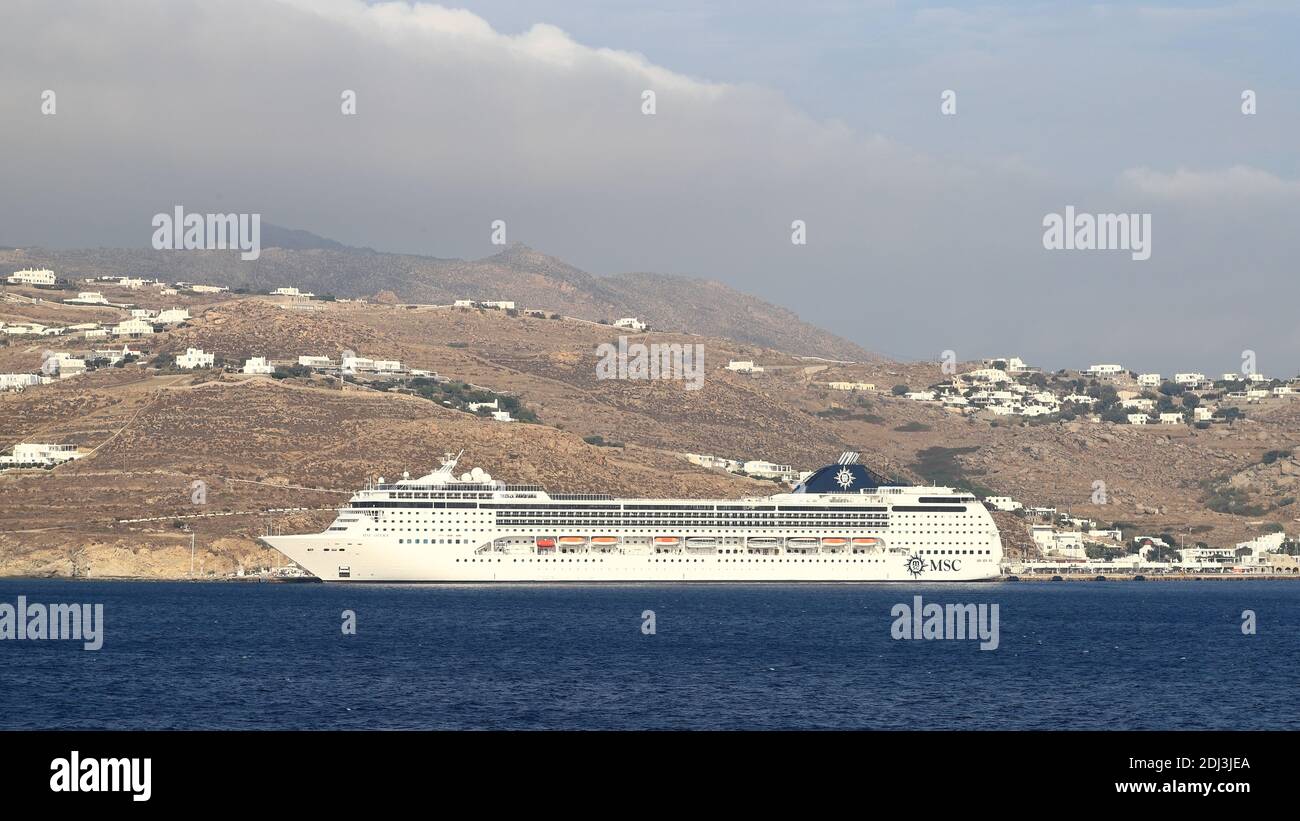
1081, 655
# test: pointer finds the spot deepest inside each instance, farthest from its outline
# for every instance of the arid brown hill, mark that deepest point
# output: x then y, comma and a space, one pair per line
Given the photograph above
528, 277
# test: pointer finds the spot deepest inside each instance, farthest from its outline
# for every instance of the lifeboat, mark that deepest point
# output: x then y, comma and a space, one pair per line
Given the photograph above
834, 541
762, 541
667, 541
701, 541
866, 541
569, 541
801, 541
604, 540
545, 544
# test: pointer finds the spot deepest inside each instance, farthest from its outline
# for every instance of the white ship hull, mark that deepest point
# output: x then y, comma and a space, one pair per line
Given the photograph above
843, 524
356, 561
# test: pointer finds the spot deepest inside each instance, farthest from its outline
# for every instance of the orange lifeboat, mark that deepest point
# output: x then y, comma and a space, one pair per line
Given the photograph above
604, 540
866, 541
834, 541
573, 540
667, 541
546, 544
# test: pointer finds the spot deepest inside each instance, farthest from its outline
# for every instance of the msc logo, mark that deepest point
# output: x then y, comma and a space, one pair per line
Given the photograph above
917, 565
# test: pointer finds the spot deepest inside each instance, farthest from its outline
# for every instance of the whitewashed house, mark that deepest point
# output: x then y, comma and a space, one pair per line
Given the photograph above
18, 381
744, 366
1171, 419
316, 361
258, 364
173, 316
1104, 369
631, 323
1003, 503
34, 455
1149, 380
195, 358
133, 327
32, 276
1138, 419
88, 298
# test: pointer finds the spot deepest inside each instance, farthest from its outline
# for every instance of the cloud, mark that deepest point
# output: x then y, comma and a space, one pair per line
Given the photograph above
1237, 182
924, 232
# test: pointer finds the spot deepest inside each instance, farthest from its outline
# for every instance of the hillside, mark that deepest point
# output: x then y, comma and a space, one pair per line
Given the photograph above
528, 277
263, 445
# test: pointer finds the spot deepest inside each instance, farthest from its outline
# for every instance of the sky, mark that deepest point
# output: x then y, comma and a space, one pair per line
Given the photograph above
924, 229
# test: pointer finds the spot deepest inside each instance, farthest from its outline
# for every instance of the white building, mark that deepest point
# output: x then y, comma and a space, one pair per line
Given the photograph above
18, 381
208, 289
499, 304
32, 455
1149, 380
195, 358
744, 366
386, 366
463, 303
173, 316
703, 460
475, 407
354, 364
1138, 419
114, 356
88, 298
1189, 378
1202, 414
67, 366
768, 470
1104, 369
1171, 418
1139, 403
316, 361
988, 375
502, 416
631, 323
1003, 503
133, 327
850, 386
257, 364
32, 276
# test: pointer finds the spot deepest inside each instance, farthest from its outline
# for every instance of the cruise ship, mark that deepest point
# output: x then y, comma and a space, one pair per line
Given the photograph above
844, 523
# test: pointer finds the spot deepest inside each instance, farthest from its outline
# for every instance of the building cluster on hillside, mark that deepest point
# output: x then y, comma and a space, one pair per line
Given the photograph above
1073, 544
60, 365
1106, 392
754, 468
